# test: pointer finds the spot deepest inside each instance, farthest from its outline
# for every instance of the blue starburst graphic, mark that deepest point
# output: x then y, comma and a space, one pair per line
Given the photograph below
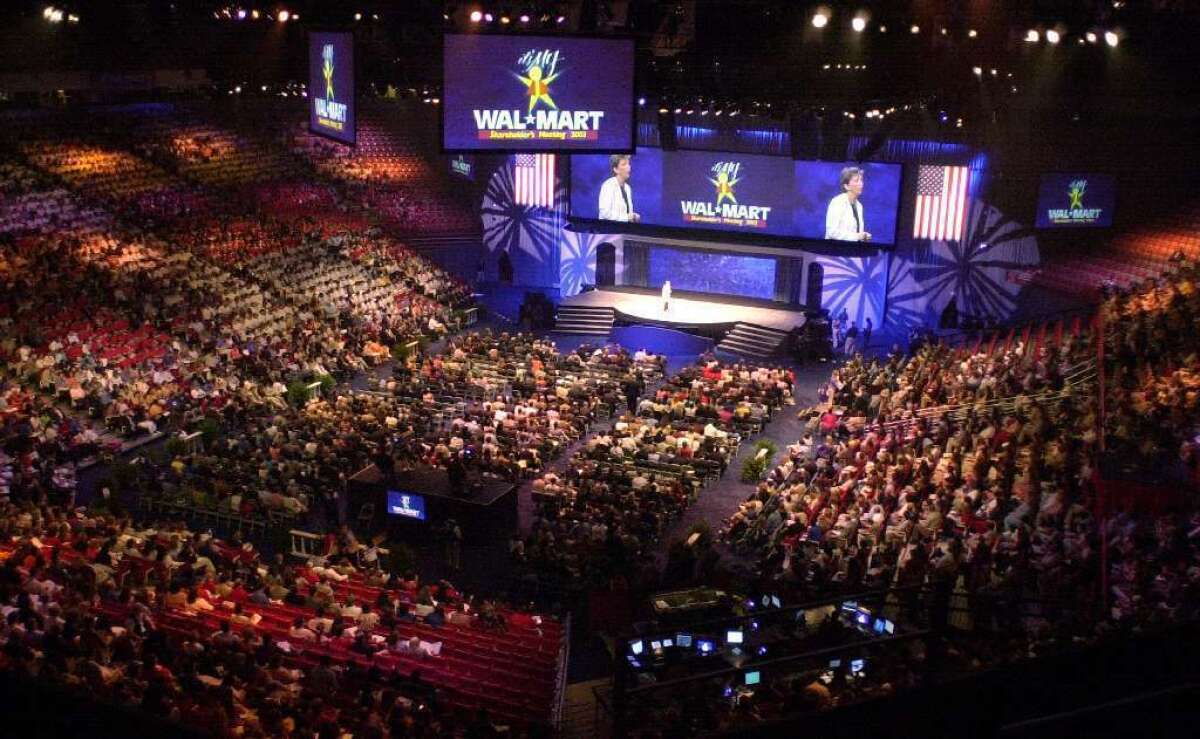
986, 270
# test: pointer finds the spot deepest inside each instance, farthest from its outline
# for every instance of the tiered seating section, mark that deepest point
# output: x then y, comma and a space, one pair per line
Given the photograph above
387, 172
1132, 258
224, 640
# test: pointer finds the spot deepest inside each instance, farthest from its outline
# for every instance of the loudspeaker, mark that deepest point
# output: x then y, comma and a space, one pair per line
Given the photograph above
805, 135
666, 131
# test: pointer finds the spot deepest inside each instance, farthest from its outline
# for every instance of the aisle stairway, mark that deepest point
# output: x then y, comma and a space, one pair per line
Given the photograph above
584, 320
752, 340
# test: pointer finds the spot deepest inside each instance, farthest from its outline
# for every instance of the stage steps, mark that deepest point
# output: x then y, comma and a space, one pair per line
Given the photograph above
752, 340
581, 319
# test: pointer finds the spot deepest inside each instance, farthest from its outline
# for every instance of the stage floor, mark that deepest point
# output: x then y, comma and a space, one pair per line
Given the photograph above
688, 309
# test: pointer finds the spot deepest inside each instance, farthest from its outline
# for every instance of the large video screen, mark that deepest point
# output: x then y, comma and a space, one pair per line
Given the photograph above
537, 93
742, 193
1076, 200
331, 86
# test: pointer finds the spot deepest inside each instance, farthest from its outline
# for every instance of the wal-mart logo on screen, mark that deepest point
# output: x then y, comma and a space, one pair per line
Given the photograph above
330, 113
1074, 213
724, 209
539, 118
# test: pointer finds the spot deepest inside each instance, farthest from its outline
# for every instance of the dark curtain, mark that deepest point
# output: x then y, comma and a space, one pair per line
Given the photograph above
789, 280
637, 264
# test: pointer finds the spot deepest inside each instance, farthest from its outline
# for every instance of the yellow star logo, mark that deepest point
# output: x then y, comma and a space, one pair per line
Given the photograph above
537, 88
724, 187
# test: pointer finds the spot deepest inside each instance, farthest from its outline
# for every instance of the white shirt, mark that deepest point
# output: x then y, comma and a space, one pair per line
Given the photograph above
612, 204
839, 219
666, 290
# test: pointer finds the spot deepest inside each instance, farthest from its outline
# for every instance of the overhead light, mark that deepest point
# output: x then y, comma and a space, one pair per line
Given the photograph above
254, 14
819, 19
560, 19
883, 29
944, 32
241, 14
972, 33
49, 11
358, 16
1053, 36
1090, 36
283, 16
476, 16
1032, 36
1111, 38
977, 71
488, 17
524, 18
504, 20
859, 24
915, 29
663, 111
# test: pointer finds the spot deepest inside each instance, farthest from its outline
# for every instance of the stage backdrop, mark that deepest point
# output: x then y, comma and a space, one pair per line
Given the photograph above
987, 270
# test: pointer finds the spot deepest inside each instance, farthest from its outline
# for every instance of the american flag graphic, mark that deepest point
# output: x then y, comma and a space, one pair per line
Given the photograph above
941, 202
534, 178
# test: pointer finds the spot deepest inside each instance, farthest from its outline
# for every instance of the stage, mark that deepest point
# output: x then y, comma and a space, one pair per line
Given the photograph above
487, 505
688, 310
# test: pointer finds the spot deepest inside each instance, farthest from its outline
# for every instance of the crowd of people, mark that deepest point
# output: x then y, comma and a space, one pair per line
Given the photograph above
1152, 365
969, 474
607, 511
206, 634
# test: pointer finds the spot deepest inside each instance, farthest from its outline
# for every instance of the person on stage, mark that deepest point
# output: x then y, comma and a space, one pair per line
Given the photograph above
844, 220
666, 296
616, 197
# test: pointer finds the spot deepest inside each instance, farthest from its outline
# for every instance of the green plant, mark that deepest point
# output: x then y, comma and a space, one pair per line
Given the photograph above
175, 447
298, 393
209, 429
756, 465
401, 351
327, 383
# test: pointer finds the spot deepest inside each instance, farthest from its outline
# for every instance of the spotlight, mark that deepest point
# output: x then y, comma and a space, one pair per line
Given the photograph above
734, 112
1090, 36
241, 14
1032, 36
524, 18
663, 111
915, 29
944, 32
283, 16
358, 16
49, 11
678, 111
859, 24
254, 14
972, 33
488, 17
1053, 36
883, 29
476, 16
977, 71
560, 19
1111, 38
642, 102
504, 20
819, 19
